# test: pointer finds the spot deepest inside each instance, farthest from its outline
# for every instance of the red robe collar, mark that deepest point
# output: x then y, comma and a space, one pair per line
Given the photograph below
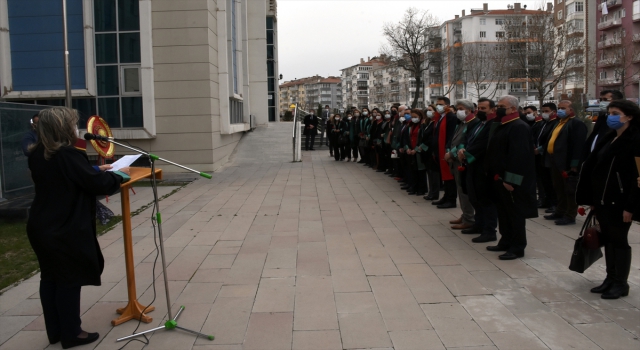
510, 117
470, 117
491, 116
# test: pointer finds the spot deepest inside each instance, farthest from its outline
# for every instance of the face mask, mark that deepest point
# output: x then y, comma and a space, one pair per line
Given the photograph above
546, 116
370, 118
481, 115
357, 114
461, 115
387, 116
337, 118
394, 112
415, 120
378, 117
603, 105
430, 114
613, 121
348, 118
365, 113
440, 108
407, 116
531, 117
501, 112
562, 113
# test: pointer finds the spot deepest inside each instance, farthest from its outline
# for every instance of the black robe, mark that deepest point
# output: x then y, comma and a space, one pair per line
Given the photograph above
510, 158
475, 181
62, 218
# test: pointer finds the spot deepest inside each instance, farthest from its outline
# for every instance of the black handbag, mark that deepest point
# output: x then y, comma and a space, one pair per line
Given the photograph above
582, 256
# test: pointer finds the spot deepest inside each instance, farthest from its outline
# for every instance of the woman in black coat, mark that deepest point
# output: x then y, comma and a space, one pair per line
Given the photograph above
335, 130
62, 223
608, 184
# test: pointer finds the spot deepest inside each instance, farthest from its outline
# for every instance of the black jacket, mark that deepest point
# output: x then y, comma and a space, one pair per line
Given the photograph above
600, 129
452, 122
62, 220
309, 120
567, 148
609, 177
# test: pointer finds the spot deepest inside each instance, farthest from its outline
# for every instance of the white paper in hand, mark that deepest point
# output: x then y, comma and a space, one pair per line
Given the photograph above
124, 162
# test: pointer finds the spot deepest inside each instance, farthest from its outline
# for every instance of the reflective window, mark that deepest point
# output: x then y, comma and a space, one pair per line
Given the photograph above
105, 15
128, 15
107, 79
130, 48
106, 48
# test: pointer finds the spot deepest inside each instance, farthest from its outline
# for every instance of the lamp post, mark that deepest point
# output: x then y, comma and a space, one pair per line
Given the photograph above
67, 73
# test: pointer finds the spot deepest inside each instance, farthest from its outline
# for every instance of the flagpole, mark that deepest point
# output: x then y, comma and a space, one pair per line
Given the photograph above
67, 73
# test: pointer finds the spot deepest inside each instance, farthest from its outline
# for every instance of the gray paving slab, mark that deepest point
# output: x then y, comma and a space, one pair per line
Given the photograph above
331, 255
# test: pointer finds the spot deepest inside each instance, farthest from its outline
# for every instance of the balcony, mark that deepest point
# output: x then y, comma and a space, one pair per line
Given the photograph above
613, 3
608, 81
636, 11
363, 93
610, 42
609, 24
516, 90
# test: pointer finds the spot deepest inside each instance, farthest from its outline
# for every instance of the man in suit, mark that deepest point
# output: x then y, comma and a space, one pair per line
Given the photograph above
562, 155
446, 122
310, 130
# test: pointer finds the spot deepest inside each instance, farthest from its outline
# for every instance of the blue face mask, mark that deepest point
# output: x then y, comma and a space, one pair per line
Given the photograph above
613, 121
562, 113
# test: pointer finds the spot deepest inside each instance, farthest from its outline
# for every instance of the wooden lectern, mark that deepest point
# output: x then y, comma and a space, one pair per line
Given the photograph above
134, 309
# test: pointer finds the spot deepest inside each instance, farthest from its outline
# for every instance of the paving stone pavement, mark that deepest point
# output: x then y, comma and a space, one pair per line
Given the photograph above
320, 254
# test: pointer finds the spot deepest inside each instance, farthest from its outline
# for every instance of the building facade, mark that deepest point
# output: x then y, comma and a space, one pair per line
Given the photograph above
355, 82
294, 91
324, 92
390, 84
183, 79
618, 35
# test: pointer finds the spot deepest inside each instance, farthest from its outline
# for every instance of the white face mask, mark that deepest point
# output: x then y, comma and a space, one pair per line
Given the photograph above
430, 114
531, 117
461, 115
387, 116
365, 113
337, 118
545, 116
440, 108
357, 114
348, 118
415, 120
370, 118
378, 117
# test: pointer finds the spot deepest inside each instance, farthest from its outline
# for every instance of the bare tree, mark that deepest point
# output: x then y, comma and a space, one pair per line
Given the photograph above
408, 43
622, 56
541, 53
483, 69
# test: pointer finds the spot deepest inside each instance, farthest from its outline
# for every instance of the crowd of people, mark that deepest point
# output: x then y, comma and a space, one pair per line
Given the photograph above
502, 163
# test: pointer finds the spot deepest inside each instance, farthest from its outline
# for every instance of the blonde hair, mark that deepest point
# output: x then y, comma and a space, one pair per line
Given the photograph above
56, 128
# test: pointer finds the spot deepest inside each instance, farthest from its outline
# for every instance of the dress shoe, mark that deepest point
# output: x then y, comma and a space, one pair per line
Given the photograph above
360, 161
405, 187
438, 202
456, 221
397, 178
484, 239
605, 286
472, 230
331, 155
497, 248
510, 256
91, 337
411, 193
419, 193
430, 198
312, 149
551, 210
447, 205
543, 204
380, 171
565, 222
389, 173
553, 216
462, 226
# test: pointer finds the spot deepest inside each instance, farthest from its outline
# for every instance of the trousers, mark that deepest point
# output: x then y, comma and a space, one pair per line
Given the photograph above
61, 308
567, 205
311, 137
465, 204
511, 222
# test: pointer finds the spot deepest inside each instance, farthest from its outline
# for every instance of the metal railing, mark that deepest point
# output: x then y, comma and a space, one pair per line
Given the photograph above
236, 111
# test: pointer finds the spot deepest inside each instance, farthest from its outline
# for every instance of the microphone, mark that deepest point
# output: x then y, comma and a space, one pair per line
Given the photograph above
89, 136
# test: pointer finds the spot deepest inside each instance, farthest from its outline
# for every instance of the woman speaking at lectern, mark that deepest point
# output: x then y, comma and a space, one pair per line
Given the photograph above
62, 224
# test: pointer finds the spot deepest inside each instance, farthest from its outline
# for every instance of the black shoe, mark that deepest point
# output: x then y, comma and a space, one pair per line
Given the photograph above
484, 239
91, 337
510, 256
430, 198
54, 340
551, 210
610, 260
605, 286
380, 171
565, 222
405, 187
312, 149
471, 231
497, 248
553, 216
419, 193
543, 204
411, 193
620, 286
447, 205
438, 202
360, 161
388, 173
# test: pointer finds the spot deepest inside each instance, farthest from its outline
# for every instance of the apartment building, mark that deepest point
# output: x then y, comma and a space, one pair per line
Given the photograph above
355, 82
618, 35
390, 84
294, 91
183, 79
324, 92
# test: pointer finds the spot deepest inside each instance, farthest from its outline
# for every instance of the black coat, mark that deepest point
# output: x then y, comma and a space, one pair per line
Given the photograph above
474, 179
62, 218
600, 129
567, 149
452, 122
309, 120
609, 178
509, 157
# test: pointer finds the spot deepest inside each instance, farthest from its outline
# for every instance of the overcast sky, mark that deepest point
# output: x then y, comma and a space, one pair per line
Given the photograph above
322, 37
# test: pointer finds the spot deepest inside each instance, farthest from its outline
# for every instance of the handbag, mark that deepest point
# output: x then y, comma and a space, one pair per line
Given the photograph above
592, 232
582, 256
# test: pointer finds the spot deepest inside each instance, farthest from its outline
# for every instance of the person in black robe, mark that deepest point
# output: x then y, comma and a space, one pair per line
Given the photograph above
310, 131
510, 162
62, 223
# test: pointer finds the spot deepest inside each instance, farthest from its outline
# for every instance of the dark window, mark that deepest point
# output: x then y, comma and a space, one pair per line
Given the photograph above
106, 49
130, 48
128, 15
269, 22
110, 111
269, 37
270, 54
107, 79
132, 112
105, 15
270, 68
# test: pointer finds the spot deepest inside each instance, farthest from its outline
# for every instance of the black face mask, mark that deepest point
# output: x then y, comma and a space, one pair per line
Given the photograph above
481, 115
394, 112
501, 112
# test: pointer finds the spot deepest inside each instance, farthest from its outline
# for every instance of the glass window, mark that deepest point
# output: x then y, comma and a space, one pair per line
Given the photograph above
130, 48
483, 21
269, 23
270, 52
270, 69
106, 49
269, 37
128, 15
234, 45
107, 80
131, 80
105, 15
109, 109
132, 112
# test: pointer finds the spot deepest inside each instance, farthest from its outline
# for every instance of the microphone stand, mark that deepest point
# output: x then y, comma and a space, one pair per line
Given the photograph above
172, 322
